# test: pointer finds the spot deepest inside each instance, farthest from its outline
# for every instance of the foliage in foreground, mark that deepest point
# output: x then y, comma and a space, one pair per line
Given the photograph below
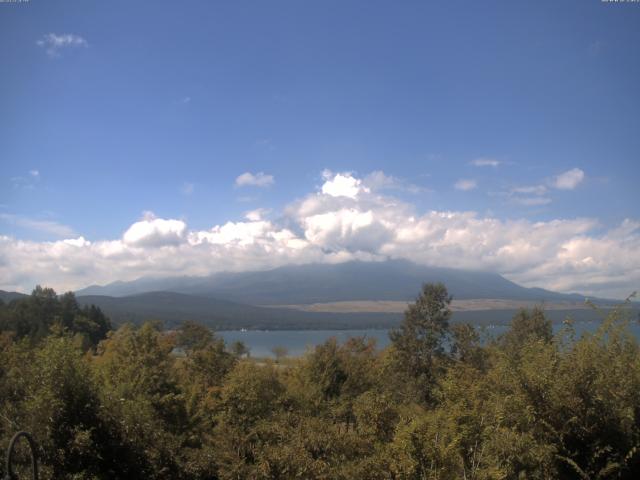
436, 404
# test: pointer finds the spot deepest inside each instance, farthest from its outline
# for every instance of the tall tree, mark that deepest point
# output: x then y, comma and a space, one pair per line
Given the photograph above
419, 341
528, 325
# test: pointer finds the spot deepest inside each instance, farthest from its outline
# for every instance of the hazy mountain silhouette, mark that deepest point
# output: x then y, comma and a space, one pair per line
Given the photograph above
247, 299
173, 308
317, 283
6, 297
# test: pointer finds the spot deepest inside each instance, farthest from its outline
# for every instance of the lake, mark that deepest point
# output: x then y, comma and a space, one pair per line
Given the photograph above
260, 342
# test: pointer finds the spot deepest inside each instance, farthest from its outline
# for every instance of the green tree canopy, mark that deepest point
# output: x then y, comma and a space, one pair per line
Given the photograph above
419, 341
35, 316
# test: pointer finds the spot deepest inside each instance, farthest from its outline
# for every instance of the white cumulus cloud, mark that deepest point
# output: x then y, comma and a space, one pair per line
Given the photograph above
342, 185
256, 215
54, 42
533, 195
569, 179
155, 232
342, 220
259, 179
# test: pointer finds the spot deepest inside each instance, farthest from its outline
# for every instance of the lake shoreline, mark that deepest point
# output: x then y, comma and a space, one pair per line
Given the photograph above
297, 342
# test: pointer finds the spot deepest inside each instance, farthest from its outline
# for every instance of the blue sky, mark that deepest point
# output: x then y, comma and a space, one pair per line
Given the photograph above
113, 109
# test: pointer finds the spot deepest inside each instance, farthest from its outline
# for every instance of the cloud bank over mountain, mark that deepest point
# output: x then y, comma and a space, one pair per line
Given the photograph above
347, 218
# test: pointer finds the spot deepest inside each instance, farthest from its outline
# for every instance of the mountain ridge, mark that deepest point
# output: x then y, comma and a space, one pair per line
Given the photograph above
7, 297
312, 296
399, 280
174, 308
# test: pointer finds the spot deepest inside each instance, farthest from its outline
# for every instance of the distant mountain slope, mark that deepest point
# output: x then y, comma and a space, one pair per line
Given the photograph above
174, 308
316, 283
6, 297
143, 285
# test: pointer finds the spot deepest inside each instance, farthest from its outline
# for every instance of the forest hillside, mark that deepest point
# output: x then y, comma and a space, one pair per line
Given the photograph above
437, 404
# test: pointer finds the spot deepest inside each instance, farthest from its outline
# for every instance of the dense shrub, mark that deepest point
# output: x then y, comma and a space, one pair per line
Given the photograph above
436, 404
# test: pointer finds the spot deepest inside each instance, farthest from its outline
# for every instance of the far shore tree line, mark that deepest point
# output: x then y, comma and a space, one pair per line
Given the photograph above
437, 403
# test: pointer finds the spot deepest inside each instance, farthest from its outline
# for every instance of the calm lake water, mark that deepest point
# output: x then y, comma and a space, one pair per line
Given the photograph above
260, 342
